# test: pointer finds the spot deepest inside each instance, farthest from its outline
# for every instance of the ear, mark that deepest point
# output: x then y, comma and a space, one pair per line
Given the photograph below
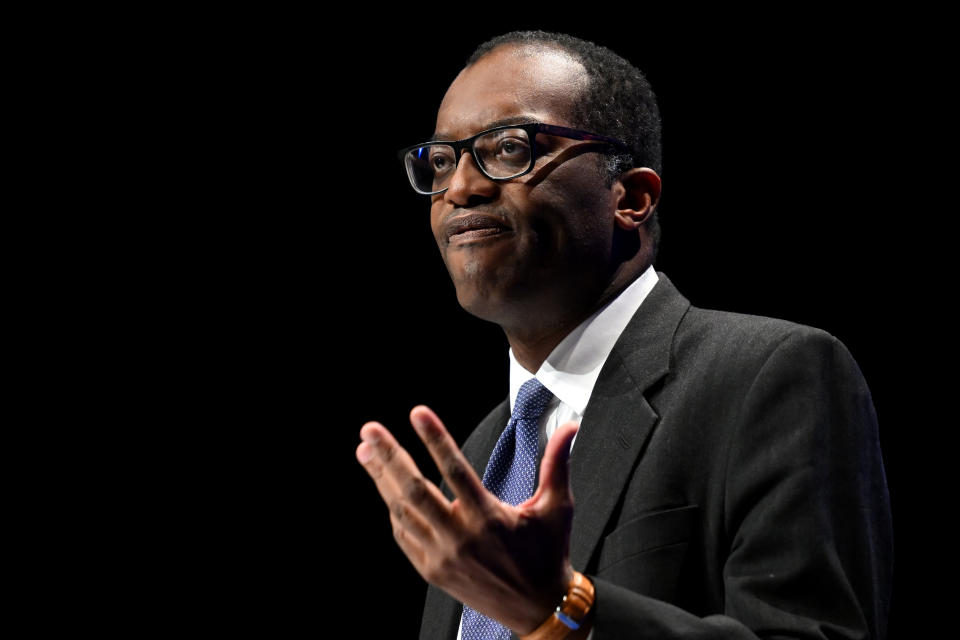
638, 194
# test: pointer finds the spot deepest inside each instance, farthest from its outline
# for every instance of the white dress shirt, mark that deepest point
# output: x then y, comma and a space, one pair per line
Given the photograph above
572, 368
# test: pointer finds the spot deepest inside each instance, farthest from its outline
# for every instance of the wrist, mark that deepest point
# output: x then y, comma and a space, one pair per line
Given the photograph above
572, 618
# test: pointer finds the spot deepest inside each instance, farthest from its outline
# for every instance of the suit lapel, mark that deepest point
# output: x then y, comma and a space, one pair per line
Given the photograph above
618, 419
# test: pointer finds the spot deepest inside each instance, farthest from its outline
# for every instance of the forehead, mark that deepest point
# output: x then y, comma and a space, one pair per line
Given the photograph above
523, 82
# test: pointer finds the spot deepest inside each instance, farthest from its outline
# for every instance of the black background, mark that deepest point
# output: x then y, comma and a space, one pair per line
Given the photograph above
303, 294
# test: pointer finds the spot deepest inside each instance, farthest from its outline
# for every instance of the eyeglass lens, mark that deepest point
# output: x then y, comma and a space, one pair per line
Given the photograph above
503, 153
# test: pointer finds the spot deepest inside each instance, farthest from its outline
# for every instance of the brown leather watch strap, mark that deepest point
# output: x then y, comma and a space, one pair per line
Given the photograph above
570, 614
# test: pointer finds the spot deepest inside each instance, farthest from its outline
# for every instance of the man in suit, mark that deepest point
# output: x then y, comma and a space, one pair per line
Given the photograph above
704, 474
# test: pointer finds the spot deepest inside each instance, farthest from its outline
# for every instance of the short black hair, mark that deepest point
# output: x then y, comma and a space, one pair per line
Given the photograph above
617, 102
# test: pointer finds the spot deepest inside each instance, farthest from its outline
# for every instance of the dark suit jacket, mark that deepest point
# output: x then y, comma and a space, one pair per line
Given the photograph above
727, 483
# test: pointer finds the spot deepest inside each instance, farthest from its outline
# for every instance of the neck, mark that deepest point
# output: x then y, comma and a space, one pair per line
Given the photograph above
531, 348
532, 343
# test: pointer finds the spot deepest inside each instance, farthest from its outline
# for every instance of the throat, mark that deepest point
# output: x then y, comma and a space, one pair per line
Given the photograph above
531, 348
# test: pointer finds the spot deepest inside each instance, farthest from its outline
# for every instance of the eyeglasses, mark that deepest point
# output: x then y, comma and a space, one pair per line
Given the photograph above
501, 153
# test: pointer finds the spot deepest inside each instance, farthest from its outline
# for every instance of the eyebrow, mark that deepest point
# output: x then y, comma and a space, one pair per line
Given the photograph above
445, 137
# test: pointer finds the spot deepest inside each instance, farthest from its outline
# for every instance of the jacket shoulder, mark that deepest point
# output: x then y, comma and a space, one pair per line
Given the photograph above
739, 337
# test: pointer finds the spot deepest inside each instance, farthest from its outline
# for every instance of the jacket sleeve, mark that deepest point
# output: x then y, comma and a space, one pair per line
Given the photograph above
807, 517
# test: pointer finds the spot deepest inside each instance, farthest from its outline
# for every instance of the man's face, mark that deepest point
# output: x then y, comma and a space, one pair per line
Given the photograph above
535, 248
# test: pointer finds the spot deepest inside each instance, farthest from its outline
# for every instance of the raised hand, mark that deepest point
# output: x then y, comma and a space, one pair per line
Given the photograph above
509, 563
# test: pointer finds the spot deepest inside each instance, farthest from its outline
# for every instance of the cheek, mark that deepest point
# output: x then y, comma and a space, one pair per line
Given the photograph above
435, 218
588, 194
578, 215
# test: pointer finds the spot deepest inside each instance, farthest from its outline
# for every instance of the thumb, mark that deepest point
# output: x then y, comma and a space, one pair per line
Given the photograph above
555, 468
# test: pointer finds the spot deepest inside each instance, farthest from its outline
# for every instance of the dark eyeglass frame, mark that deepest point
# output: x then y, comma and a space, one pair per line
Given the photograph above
532, 129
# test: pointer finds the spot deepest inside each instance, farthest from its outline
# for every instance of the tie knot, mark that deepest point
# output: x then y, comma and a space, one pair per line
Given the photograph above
532, 399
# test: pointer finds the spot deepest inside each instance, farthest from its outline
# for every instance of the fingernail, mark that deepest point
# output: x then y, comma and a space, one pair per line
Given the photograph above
420, 421
364, 453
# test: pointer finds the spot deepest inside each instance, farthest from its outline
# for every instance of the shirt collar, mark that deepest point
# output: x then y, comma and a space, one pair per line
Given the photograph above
572, 368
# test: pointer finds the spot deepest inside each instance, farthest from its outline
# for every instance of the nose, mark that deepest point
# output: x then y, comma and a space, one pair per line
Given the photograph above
468, 182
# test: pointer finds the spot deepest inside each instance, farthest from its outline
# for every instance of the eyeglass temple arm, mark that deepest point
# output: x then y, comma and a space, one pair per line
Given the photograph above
577, 134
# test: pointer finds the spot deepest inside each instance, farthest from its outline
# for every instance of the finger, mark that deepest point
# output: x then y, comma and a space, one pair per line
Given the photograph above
410, 545
404, 515
397, 477
555, 468
453, 465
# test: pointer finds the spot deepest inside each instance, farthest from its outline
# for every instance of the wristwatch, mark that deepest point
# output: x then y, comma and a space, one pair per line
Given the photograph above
570, 613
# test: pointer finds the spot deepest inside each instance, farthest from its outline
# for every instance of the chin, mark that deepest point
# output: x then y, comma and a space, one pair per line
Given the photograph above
477, 305
502, 309
498, 295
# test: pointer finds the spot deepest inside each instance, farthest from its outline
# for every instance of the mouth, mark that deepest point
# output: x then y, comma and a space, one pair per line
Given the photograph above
474, 227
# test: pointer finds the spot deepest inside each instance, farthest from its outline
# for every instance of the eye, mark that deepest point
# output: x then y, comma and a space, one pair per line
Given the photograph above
441, 160
511, 147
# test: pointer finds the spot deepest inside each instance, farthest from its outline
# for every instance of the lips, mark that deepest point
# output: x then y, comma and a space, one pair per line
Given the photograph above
475, 226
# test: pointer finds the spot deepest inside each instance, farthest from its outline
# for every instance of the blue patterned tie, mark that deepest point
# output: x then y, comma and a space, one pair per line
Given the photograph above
510, 474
